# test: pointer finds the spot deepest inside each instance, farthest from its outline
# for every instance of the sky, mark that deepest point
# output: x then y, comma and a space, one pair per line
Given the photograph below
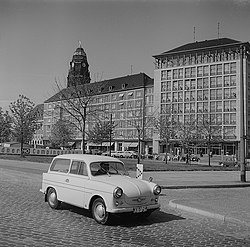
38, 37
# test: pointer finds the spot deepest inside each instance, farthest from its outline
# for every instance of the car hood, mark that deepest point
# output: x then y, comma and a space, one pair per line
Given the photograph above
131, 187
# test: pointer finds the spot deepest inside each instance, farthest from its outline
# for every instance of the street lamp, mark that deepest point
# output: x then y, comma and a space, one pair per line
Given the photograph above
110, 134
242, 119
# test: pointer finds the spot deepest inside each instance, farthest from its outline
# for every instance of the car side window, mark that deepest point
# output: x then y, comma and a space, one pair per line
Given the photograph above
79, 167
60, 165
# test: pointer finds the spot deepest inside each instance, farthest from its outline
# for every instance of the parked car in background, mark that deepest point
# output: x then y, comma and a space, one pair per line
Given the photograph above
130, 154
194, 157
100, 184
228, 160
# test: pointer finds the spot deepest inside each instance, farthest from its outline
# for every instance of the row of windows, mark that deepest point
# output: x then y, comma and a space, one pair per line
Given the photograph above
131, 134
217, 119
215, 106
206, 70
113, 97
199, 95
191, 59
206, 82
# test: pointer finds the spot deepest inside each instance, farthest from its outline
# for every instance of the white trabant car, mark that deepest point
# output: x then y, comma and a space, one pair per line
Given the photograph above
100, 184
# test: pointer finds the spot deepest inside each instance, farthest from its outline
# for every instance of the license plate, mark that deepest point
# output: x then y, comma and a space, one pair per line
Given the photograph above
139, 209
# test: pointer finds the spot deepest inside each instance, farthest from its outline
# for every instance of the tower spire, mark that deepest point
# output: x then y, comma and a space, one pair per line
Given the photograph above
80, 43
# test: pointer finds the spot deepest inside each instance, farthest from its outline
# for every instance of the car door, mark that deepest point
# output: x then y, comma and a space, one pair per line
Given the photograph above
76, 180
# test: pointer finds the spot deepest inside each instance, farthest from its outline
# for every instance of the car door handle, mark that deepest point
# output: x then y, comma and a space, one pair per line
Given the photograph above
67, 180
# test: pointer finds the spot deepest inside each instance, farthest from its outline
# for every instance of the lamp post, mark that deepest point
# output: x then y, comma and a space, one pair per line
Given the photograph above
110, 134
242, 119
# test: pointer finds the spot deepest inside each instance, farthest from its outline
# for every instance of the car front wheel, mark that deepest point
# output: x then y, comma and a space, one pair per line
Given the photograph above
99, 211
52, 199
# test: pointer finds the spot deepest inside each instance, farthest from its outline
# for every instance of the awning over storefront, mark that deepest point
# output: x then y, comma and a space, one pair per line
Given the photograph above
104, 144
129, 144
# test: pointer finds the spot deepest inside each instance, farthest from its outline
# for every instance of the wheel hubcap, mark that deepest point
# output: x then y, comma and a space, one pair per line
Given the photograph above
52, 198
100, 211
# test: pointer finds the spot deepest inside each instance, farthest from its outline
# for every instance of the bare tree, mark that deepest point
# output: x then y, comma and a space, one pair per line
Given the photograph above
5, 126
167, 128
140, 123
61, 134
210, 131
23, 120
187, 134
101, 132
76, 105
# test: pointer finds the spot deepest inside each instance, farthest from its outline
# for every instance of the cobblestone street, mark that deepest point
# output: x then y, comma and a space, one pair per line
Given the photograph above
26, 220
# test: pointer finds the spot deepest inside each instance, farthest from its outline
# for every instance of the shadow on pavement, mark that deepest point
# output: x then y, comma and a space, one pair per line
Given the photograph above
127, 220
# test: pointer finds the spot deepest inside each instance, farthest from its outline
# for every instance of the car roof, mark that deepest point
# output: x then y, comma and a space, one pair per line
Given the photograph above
87, 157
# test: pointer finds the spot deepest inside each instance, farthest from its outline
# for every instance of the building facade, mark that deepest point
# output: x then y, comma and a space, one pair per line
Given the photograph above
208, 77
128, 100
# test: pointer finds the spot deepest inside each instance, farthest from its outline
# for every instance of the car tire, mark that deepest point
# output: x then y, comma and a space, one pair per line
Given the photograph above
52, 199
99, 212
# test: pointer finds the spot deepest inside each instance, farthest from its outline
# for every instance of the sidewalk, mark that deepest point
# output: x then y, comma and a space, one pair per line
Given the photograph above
214, 194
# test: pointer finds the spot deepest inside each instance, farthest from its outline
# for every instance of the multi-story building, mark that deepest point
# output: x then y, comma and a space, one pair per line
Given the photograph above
208, 77
37, 140
128, 99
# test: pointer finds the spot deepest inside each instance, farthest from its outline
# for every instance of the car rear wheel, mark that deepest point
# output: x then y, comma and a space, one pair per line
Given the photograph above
99, 211
52, 199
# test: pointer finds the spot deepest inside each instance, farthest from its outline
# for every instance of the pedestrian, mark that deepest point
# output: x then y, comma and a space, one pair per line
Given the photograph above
187, 159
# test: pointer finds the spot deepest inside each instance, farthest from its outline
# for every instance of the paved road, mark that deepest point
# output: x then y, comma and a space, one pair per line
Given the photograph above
26, 220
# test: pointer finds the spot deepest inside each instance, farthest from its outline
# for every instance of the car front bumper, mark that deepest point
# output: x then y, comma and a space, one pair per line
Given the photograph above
131, 209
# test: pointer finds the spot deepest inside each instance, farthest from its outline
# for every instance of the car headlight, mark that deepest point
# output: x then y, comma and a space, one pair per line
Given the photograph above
157, 190
117, 193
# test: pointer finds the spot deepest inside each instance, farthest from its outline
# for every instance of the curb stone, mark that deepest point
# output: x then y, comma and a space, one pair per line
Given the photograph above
208, 186
208, 214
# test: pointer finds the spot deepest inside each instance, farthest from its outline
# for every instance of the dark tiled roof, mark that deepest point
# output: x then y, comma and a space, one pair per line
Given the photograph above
131, 82
201, 45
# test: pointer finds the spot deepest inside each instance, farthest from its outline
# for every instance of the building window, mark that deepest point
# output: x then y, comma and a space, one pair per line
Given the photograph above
175, 85
199, 83
138, 94
163, 98
205, 70
233, 67
180, 96
169, 75
226, 81
200, 71
175, 97
187, 85
226, 68
175, 74
193, 72
219, 69
113, 97
212, 106
218, 106
213, 82
213, 70
233, 80
205, 82
163, 74
199, 95
163, 86
226, 106
180, 85
219, 81
187, 72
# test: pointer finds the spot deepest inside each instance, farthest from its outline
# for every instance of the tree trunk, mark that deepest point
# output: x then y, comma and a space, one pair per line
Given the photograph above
22, 154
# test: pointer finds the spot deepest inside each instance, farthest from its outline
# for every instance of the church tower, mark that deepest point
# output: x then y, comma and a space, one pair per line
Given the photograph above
79, 68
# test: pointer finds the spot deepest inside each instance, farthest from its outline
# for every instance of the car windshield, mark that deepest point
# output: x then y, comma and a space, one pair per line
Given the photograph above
103, 168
